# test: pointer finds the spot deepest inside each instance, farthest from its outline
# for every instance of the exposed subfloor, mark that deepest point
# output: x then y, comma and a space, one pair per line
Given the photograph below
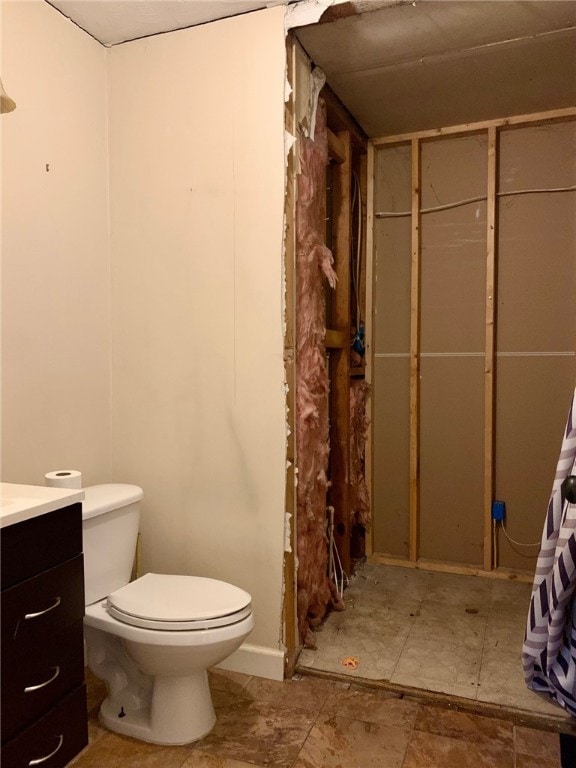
314, 723
452, 634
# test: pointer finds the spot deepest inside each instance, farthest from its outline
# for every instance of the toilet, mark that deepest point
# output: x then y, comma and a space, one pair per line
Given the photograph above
152, 640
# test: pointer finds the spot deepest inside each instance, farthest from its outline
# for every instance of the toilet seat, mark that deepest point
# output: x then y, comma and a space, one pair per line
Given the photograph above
179, 603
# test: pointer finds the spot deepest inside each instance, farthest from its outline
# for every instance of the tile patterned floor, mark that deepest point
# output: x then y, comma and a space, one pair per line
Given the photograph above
313, 723
458, 635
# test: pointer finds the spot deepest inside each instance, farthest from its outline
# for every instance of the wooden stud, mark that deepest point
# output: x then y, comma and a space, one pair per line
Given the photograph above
335, 149
339, 496
414, 508
368, 333
340, 119
491, 202
363, 162
290, 628
569, 113
439, 566
335, 339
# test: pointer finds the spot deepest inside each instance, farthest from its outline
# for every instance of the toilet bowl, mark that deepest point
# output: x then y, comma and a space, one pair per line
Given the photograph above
152, 640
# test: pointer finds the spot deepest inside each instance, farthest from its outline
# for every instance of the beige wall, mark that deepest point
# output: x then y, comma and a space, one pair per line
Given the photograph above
55, 259
197, 190
195, 151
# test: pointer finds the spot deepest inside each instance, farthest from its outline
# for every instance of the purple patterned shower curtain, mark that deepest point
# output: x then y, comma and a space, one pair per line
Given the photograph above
549, 652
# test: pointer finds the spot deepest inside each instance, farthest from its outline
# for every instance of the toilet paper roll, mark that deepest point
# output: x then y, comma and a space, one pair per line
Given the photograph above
63, 478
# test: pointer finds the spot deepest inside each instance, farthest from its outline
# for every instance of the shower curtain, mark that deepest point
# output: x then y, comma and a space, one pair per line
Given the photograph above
549, 652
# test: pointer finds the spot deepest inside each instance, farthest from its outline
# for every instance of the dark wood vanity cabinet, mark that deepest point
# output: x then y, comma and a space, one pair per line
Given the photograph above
43, 697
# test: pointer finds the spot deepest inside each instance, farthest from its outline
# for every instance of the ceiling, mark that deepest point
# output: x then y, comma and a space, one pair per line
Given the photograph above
427, 64
398, 65
117, 21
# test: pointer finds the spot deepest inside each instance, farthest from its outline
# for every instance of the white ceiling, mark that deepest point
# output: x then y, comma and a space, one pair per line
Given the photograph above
116, 21
426, 64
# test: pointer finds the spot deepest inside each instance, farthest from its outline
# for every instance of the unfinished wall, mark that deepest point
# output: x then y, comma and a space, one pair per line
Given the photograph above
55, 258
453, 285
535, 342
390, 426
197, 191
536, 367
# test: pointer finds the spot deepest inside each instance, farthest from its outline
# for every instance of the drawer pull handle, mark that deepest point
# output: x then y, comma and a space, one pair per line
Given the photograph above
31, 688
55, 604
47, 757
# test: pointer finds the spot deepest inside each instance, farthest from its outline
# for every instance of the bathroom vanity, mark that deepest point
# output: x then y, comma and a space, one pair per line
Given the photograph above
43, 697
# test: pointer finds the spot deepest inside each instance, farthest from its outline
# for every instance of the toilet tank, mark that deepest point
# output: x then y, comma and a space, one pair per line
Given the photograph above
110, 518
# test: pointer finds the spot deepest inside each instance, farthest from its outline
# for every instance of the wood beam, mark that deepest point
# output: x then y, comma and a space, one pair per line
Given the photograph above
335, 339
290, 624
414, 504
491, 213
569, 113
368, 336
335, 149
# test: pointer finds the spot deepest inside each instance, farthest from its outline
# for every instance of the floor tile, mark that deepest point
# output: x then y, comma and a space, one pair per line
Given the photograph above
199, 759
377, 665
451, 589
502, 682
305, 693
394, 616
377, 707
465, 691
529, 741
225, 680
257, 732
269, 726
95, 691
115, 751
510, 594
475, 729
426, 750
222, 699
338, 742
528, 761
450, 624
432, 658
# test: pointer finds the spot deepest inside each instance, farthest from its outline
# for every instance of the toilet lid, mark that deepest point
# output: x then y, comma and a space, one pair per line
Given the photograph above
158, 601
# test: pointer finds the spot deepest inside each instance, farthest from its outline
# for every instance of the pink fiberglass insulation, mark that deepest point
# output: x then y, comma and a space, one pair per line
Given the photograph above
313, 267
359, 497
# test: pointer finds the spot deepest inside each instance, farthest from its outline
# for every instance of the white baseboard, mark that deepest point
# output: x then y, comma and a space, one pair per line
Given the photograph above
256, 660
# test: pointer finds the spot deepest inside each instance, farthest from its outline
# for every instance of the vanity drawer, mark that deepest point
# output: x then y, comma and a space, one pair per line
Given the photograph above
41, 678
54, 740
34, 545
41, 606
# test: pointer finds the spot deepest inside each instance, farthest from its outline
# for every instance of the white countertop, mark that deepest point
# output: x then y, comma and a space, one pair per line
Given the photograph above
22, 502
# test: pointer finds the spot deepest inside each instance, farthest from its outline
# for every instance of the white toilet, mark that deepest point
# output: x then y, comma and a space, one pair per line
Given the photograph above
152, 640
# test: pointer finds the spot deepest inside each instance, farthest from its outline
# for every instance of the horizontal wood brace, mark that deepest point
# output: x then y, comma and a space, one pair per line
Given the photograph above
336, 148
335, 339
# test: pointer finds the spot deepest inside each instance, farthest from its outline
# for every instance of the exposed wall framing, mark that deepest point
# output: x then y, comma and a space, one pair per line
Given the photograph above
321, 465
347, 147
491, 131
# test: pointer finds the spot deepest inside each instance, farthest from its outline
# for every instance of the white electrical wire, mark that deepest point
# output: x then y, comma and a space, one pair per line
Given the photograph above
470, 200
518, 543
344, 577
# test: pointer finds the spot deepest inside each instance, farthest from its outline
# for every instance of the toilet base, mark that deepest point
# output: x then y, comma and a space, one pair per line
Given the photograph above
181, 711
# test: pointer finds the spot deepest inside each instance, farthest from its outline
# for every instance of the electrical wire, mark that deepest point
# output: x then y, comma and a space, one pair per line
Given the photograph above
518, 543
470, 200
339, 582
